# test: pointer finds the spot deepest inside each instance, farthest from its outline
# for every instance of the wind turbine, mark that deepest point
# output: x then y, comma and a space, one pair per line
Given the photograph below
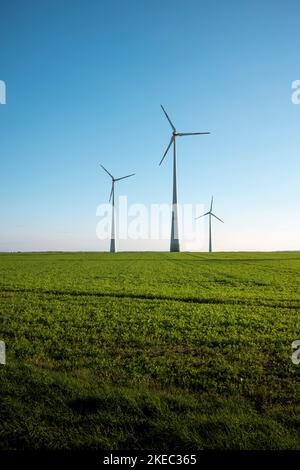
112, 197
174, 242
210, 213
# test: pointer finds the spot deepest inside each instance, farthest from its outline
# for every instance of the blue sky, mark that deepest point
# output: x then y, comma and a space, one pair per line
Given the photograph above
84, 85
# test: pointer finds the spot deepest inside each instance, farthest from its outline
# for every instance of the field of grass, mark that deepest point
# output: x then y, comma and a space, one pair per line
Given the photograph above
149, 351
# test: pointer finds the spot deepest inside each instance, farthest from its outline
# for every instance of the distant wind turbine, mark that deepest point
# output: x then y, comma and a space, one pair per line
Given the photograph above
112, 198
210, 213
174, 243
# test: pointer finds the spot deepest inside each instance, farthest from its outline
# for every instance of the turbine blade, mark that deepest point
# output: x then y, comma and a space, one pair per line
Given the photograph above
192, 133
123, 177
211, 203
217, 218
107, 171
171, 124
172, 138
111, 193
203, 215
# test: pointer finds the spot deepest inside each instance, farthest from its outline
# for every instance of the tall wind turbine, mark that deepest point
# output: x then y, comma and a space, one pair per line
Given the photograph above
174, 243
210, 213
112, 198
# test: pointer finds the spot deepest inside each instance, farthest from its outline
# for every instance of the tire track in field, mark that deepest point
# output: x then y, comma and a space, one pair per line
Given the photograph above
193, 300
230, 279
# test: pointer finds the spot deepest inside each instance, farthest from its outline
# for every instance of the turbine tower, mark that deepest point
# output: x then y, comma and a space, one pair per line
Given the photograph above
112, 198
210, 213
174, 243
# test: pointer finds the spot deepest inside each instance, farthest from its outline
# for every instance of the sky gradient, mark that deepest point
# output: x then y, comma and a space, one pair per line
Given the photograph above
84, 84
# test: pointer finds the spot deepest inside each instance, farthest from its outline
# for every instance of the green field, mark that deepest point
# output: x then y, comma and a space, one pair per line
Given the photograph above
149, 351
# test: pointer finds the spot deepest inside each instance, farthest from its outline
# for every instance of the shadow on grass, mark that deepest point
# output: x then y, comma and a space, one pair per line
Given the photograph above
51, 410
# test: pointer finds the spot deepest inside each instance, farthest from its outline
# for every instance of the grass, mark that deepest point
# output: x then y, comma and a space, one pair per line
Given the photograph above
149, 351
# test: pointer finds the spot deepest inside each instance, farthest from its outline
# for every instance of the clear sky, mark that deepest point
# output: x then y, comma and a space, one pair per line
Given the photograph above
85, 80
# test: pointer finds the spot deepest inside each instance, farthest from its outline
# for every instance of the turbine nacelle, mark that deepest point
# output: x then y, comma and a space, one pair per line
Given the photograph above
176, 134
113, 180
210, 212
